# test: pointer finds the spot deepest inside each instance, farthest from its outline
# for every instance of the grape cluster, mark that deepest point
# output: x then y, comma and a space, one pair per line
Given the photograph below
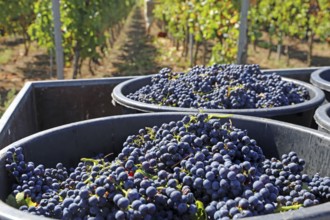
287, 175
197, 167
320, 186
220, 87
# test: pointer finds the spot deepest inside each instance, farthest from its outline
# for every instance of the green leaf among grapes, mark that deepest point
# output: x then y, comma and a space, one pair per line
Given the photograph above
20, 200
30, 203
281, 208
210, 116
12, 201
201, 214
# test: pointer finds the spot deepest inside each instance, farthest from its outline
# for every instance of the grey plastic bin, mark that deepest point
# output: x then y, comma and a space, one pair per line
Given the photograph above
301, 113
322, 118
321, 79
70, 142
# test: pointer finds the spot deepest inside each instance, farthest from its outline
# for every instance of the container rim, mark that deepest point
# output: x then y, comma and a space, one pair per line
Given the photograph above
152, 114
317, 94
317, 79
322, 116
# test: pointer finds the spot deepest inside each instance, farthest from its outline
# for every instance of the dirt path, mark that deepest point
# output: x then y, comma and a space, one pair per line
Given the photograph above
134, 52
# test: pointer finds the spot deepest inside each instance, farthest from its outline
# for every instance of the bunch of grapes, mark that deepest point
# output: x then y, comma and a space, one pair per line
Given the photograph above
220, 87
194, 168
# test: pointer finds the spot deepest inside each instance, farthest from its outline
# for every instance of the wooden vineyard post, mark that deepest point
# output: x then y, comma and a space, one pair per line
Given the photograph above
58, 39
242, 41
191, 49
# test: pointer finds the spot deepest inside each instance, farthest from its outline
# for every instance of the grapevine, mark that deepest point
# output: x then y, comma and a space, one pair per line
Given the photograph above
86, 27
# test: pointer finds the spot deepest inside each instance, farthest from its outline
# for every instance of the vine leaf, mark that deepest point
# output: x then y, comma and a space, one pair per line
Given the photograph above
20, 200
220, 116
201, 214
12, 201
30, 203
281, 208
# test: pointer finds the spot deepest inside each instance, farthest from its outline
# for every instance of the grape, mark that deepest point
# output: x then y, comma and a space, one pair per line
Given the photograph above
100, 191
123, 203
120, 215
93, 200
151, 191
116, 197
182, 208
175, 195
258, 185
143, 209
66, 202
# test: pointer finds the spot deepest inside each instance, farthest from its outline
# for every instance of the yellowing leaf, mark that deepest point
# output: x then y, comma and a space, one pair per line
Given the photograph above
30, 203
234, 19
220, 116
201, 214
20, 198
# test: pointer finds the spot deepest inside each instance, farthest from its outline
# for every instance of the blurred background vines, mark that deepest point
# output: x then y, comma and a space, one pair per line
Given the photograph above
5, 99
89, 27
194, 23
205, 31
214, 25
303, 20
103, 38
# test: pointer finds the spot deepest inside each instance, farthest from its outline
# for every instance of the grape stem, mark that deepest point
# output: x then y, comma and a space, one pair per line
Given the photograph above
281, 208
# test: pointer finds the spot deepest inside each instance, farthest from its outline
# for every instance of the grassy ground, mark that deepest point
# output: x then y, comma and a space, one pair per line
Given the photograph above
133, 53
6, 55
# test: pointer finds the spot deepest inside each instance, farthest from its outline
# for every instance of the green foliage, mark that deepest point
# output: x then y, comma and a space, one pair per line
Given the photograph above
319, 21
290, 18
20, 200
5, 56
10, 97
11, 200
15, 18
218, 21
176, 15
41, 29
201, 214
211, 20
85, 25
5, 102
16, 15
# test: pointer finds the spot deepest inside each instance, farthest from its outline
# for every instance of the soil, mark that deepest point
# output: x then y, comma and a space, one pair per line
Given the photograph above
133, 53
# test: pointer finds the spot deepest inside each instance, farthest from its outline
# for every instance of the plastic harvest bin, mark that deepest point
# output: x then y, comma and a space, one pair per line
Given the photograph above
301, 113
70, 142
46, 104
322, 118
321, 79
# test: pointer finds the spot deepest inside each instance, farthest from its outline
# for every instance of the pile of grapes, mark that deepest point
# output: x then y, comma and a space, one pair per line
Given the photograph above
196, 168
220, 87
